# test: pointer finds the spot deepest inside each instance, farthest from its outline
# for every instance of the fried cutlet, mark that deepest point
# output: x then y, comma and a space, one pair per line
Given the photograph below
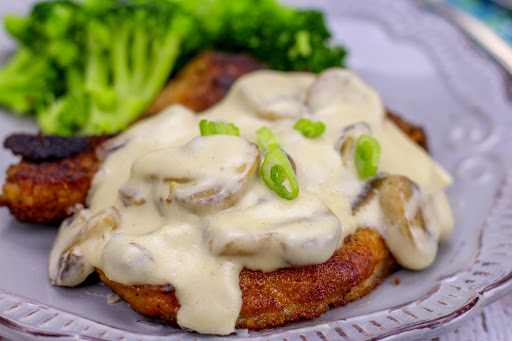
272, 299
54, 175
45, 186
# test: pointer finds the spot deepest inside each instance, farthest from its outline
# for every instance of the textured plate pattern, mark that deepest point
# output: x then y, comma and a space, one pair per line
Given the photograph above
475, 144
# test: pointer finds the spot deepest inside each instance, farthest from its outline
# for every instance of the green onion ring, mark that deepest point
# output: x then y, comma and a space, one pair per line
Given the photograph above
276, 170
216, 128
367, 156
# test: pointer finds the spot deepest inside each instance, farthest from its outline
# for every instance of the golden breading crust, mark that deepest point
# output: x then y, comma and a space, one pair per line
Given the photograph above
204, 81
272, 299
45, 191
415, 133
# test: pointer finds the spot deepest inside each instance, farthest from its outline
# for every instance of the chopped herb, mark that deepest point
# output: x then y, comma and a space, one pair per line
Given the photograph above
308, 128
267, 139
367, 156
216, 128
278, 174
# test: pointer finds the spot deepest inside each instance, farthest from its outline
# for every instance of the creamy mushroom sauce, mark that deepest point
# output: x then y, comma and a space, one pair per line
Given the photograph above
170, 206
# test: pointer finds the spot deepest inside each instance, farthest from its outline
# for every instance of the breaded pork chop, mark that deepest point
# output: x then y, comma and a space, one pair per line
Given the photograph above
272, 299
268, 299
54, 175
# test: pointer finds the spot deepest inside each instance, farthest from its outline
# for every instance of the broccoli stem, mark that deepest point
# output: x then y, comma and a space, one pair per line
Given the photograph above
164, 59
140, 68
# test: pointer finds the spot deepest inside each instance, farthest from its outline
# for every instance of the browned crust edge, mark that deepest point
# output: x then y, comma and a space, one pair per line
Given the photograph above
275, 298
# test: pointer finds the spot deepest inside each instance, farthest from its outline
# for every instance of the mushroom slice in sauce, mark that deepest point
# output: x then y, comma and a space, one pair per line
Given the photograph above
122, 255
437, 213
343, 90
208, 173
347, 142
407, 235
415, 219
70, 267
367, 194
287, 102
130, 196
110, 146
283, 232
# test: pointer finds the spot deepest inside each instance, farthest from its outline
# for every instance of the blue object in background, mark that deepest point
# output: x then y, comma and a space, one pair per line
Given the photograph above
496, 17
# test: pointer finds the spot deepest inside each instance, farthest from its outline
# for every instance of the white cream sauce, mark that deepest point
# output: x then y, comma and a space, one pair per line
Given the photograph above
169, 206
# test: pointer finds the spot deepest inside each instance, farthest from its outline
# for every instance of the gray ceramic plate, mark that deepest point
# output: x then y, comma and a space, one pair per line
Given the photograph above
427, 71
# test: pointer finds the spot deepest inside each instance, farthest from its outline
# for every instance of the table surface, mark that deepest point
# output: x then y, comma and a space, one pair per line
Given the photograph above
496, 17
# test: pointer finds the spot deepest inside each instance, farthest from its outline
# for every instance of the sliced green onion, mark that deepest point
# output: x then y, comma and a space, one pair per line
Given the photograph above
367, 156
215, 128
278, 174
308, 128
267, 139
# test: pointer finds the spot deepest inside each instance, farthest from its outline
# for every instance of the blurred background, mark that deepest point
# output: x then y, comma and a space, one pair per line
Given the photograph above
497, 14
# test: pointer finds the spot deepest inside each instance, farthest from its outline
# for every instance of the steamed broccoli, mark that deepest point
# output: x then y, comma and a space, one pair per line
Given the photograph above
53, 30
94, 66
26, 82
113, 59
130, 51
284, 38
33, 76
51, 40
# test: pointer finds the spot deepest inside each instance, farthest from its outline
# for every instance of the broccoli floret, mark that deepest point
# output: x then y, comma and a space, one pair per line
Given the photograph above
66, 115
53, 30
26, 82
131, 51
49, 58
115, 59
284, 38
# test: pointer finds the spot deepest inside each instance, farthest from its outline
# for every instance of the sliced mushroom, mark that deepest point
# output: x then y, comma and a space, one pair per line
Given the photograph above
273, 98
415, 219
207, 174
71, 267
110, 146
367, 194
437, 213
299, 232
121, 256
342, 89
99, 225
131, 197
347, 141
407, 235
